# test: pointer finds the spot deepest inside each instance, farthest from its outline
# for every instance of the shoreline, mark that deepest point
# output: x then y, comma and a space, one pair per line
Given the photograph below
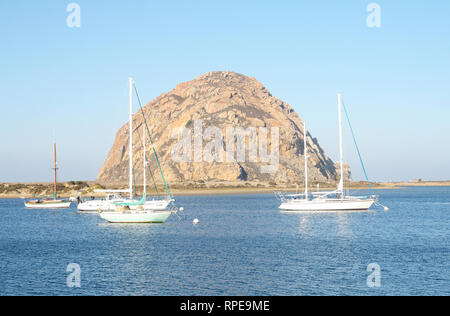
26, 189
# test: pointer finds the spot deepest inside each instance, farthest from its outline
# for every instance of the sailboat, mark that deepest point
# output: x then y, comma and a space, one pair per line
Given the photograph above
327, 201
105, 204
131, 210
114, 197
47, 202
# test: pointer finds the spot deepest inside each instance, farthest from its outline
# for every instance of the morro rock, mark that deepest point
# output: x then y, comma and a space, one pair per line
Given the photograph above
221, 100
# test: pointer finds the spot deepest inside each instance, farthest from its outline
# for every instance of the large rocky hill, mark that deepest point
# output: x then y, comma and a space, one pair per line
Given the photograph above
222, 100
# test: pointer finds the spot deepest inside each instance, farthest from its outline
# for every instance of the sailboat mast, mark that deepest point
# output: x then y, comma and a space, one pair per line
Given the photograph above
54, 169
145, 165
131, 136
306, 160
341, 146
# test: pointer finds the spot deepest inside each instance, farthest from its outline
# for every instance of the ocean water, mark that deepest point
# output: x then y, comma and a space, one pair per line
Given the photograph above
242, 246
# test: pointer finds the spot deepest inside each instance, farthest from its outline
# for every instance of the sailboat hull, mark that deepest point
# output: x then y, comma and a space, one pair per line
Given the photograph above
94, 206
51, 205
104, 205
156, 205
327, 205
136, 216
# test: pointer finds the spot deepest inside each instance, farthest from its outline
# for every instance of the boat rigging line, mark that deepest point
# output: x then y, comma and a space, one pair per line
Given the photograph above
360, 157
151, 142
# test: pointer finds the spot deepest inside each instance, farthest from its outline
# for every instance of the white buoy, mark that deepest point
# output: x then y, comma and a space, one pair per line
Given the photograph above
196, 221
386, 208
181, 209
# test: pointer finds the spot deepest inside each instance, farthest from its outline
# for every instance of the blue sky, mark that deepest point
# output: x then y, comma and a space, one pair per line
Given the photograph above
72, 82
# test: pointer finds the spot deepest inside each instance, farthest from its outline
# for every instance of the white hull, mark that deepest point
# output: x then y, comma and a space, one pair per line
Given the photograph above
104, 205
136, 216
327, 205
93, 206
41, 206
156, 205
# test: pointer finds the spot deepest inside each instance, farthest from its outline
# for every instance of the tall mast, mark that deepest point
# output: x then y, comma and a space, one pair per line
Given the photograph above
145, 165
131, 136
54, 169
306, 160
341, 146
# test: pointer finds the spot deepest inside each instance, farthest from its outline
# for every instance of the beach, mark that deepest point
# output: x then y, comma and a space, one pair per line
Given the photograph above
87, 188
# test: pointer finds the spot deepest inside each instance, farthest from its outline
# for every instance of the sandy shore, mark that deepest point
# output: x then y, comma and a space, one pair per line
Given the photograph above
250, 190
28, 190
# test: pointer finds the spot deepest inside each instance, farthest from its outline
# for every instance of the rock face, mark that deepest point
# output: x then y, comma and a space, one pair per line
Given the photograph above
218, 100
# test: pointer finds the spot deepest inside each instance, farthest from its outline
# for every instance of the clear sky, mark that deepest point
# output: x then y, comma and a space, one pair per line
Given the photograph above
72, 82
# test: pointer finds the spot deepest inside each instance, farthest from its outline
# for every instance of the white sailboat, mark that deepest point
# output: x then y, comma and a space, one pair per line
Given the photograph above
132, 211
105, 204
327, 201
125, 216
50, 202
113, 196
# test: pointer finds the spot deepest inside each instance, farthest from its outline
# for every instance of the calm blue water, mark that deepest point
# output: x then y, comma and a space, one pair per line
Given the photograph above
242, 246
